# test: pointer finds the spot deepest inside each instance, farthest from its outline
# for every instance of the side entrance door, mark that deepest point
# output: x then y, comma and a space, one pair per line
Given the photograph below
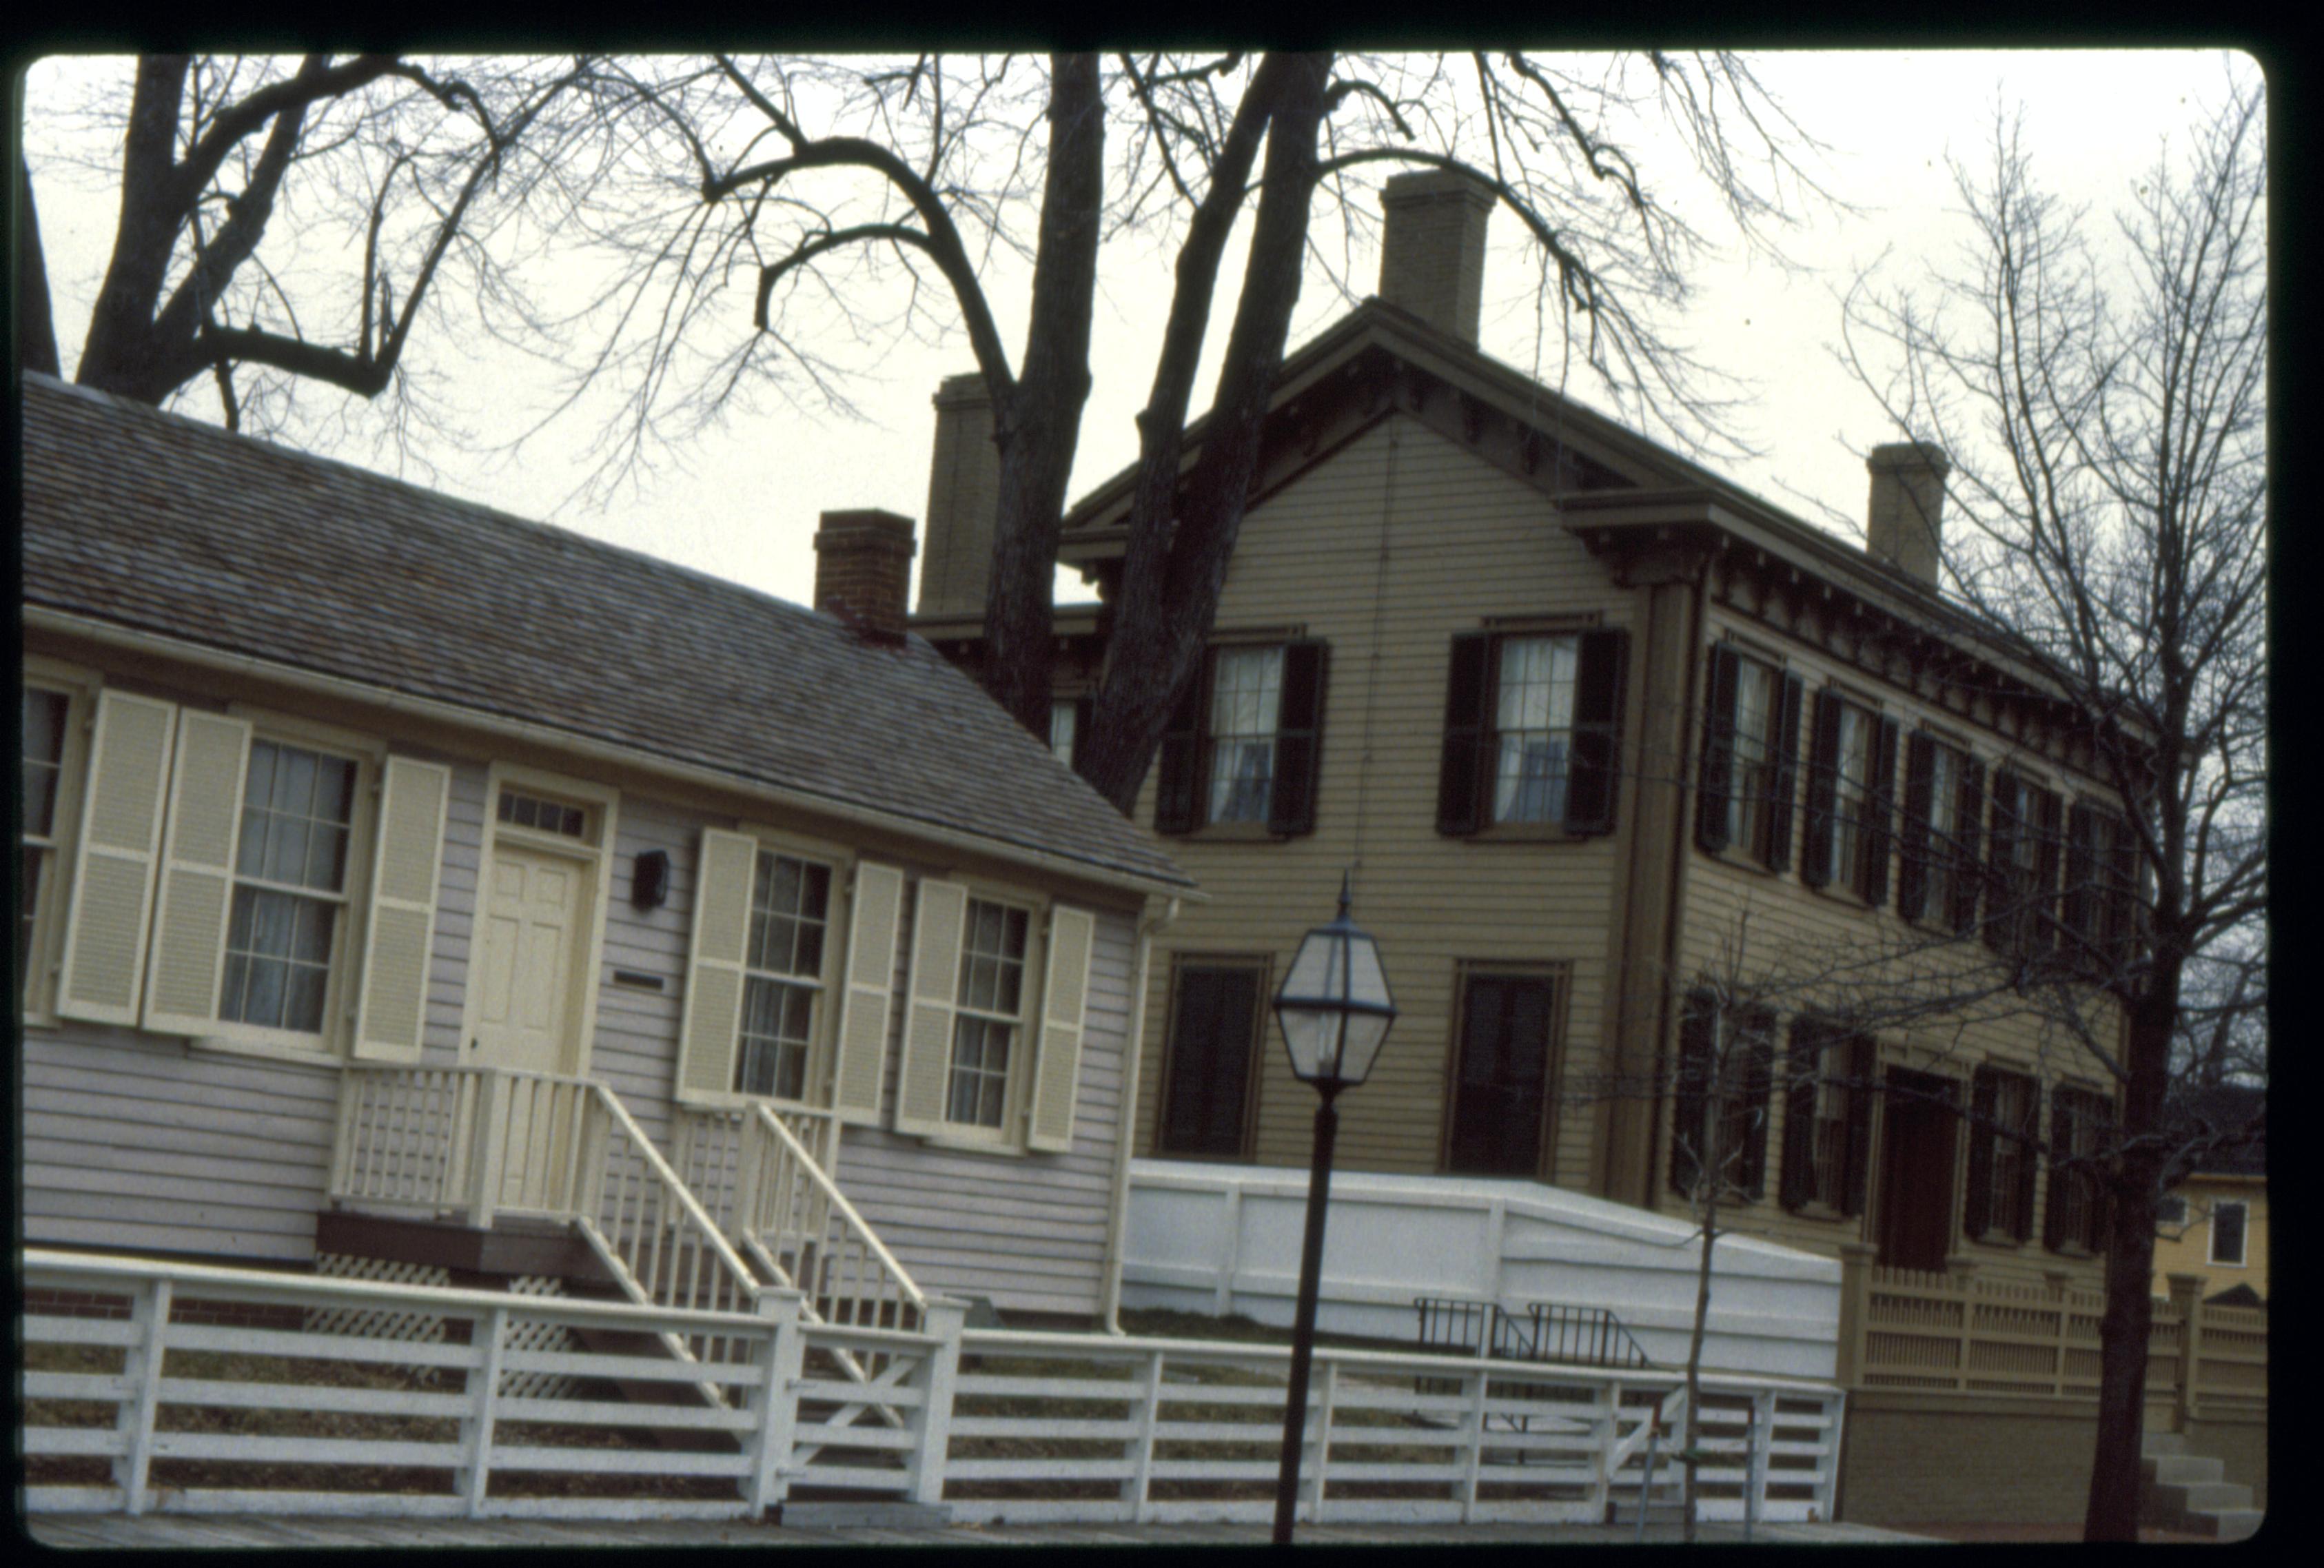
1500, 1081
529, 969
1920, 1131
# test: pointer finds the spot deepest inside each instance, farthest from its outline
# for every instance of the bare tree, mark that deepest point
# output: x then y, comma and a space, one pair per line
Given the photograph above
2110, 474
814, 182
215, 152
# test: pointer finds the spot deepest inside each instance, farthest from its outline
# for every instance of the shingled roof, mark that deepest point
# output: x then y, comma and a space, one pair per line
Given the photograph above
162, 524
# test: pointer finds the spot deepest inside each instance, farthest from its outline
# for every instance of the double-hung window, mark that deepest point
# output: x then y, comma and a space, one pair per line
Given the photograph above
1944, 796
2098, 918
1243, 744
989, 1013
2023, 850
2074, 1217
290, 887
1531, 726
1068, 722
1827, 1119
46, 729
782, 976
2228, 1223
1852, 784
1750, 744
1726, 1057
2002, 1129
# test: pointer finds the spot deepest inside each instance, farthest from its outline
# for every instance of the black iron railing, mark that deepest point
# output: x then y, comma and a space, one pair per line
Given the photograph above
1585, 1336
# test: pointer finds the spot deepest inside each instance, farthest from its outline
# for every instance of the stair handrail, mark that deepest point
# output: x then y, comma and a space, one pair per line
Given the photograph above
730, 1260
821, 1179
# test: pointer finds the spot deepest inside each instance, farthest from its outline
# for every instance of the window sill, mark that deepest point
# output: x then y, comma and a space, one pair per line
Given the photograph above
953, 1143
2076, 1252
1529, 833
1742, 859
1233, 833
314, 1056
1999, 1242
1822, 1212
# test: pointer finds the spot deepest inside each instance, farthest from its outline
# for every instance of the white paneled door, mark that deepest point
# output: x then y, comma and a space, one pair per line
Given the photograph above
536, 918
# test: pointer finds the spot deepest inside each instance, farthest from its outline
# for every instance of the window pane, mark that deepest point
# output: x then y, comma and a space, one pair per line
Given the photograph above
2227, 1233
1533, 723
1501, 1085
45, 750
1061, 731
29, 863
1246, 696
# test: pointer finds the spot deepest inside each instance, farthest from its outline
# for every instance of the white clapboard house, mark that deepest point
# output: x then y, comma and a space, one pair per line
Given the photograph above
418, 892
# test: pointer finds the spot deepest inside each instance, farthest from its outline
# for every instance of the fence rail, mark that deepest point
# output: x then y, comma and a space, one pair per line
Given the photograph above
149, 1404
1911, 1329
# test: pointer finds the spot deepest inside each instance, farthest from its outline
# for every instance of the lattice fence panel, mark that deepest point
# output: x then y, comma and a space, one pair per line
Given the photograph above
417, 1327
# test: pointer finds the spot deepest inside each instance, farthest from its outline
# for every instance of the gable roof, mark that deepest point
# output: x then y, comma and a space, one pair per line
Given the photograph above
160, 524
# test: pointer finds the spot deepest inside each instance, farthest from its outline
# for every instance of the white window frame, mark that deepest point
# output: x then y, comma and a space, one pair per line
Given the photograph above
1851, 793
1065, 722
1948, 764
1218, 786
2211, 1249
335, 1040
78, 687
1751, 759
1024, 1025
1563, 651
816, 1088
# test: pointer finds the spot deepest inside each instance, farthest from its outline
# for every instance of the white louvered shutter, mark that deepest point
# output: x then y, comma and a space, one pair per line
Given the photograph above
714, 971
1064, 1007
868, 994
114, 865
937, 926
189, 918
397, 938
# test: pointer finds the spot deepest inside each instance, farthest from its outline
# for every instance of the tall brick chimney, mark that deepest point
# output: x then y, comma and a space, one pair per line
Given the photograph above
863, 569
964, 495
1903, 524
1433, 255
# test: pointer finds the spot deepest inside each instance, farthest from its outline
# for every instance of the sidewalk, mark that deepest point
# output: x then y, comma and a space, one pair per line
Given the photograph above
166, 1532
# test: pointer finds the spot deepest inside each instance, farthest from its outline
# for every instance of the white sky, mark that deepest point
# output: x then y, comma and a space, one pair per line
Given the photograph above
743, 501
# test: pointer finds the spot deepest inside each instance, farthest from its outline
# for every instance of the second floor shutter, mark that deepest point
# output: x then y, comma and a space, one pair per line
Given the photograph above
1461, 778
1962, 851
1783, 782
1915, 840
1595, 768
1299, 739
2004, 898
2041, 929
1824, 760
1880, 831
1718, 750
1178, 771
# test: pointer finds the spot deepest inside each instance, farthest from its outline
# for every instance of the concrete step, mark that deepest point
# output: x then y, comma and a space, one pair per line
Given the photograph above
2201, 1496
2154, 1445
2226, 1523
2180, 1469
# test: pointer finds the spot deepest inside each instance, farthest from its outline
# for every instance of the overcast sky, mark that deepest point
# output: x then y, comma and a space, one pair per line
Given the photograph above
743, 501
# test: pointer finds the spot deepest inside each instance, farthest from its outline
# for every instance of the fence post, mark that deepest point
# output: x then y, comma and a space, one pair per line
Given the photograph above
1760, 1441
1142, 1472
2060, 1284
486, 1392
1601, 1470
2187, 1296
943, 1322
1231, 1251
1323, 1442
485, 1159
786, 1352
1963, 1271
1476, 1424
1855, 1310
148, 1310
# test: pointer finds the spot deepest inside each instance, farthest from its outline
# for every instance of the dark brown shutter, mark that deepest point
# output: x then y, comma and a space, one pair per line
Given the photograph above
1688, 1097
1806, 1055
2080, 906
1460, 782
1977, 1211
2054, 1211
1962, 851
1718, 750
1913, 862
1824, 783
1083, 708
1881, 802
1594, 770
1757, 1045
2022, 1199
2005, 901
1177, 794
1783, 781
2042, 927
1298, 738
2121, 899
1859, 1128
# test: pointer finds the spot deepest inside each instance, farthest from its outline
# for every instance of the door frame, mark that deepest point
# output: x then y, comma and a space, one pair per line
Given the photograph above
603, 801
1263, 966
1559, 977
1884, 1108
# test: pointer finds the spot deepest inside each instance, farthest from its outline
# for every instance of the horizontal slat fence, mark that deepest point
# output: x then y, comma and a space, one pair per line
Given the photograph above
154, 1386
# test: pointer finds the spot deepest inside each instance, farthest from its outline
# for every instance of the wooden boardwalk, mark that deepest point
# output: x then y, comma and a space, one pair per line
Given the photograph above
167, 1532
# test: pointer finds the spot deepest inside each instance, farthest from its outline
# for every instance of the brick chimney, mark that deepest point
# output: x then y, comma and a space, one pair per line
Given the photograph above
1433, 255
863, 569
964, 495
1904, 525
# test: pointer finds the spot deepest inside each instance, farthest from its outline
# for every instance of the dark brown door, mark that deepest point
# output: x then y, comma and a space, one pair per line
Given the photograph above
1920, 1131
1500, 1083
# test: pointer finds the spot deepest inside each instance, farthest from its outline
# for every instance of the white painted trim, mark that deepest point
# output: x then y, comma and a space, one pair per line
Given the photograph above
42, 618
1150, 925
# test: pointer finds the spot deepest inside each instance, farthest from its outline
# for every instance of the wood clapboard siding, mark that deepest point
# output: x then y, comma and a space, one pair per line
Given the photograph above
1397, 544
455, 916
635, 1049
1026, 1231
1786, 929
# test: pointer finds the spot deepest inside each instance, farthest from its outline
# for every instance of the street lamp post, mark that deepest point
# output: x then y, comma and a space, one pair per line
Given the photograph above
1335, 1010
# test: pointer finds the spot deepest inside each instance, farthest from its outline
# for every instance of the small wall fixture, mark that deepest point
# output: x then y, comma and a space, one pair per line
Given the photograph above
650, 880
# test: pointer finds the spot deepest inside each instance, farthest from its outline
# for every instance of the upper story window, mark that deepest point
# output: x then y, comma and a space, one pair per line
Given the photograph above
1852, 783
2001, 1132
1945, 800
2098, 921
1827, 1118
1726, 1055
1068, 718
1532, 724
1750, 747
989, 1016
2024, 848
2074, 1218
2228, 1220
520, 809
45, 718
782, 975
1243, 745
289, 890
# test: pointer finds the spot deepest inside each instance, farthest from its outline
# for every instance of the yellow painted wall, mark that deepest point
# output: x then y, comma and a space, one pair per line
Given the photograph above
2186, 1248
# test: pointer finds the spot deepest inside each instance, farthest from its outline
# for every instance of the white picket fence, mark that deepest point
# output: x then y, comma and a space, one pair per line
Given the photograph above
135, 1404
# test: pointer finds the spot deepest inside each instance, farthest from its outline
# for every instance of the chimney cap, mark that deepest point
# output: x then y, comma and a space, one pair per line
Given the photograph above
866, 525
1428, 184
1899, 455
959, 390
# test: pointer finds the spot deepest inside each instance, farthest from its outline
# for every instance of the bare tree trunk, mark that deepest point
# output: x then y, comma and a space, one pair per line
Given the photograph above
1038, 424
36, 332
